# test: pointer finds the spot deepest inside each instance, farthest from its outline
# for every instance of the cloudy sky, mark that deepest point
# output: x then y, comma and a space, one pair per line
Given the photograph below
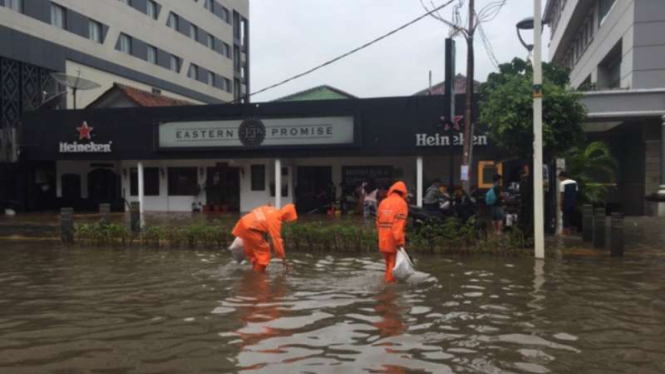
291, 36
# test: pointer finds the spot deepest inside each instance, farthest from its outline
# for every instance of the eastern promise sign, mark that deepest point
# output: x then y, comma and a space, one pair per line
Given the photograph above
255, 132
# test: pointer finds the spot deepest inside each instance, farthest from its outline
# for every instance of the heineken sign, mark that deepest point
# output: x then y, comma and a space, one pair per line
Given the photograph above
438, 140
85, 144
256, 133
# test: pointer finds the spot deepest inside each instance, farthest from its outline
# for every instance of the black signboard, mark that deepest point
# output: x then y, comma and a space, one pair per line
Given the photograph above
355, 175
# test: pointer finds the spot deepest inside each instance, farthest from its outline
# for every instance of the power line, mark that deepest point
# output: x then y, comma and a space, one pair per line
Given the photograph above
488, 47
329, 62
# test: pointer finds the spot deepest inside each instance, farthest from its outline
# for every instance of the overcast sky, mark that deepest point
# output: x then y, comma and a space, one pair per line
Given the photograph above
291, 36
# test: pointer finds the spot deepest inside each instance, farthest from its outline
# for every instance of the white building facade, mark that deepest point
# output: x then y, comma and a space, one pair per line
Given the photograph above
616, 52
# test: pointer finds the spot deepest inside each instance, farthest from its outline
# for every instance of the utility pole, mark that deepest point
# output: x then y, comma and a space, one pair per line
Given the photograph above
538, 219
468, 136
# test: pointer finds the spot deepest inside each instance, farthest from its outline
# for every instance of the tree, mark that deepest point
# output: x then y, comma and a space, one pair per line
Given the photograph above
589, 167
507, 108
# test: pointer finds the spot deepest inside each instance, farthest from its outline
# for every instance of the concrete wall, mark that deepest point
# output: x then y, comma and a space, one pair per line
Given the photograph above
649, 44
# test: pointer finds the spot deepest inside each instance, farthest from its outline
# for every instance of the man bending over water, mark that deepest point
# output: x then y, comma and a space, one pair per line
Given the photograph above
255, 225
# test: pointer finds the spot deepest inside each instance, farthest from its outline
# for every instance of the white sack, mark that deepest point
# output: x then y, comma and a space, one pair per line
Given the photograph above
403, 266
237, 250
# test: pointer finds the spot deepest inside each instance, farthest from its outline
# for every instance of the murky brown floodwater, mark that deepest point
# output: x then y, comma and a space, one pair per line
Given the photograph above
179, 311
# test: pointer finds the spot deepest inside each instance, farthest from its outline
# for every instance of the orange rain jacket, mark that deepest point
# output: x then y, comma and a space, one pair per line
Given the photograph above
259, 222
391, 219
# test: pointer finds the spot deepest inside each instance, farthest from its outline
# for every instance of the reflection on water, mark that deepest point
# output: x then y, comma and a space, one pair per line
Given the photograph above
150, 311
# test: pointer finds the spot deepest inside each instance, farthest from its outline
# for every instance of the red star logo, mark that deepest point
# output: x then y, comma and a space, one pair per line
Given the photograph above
454, 122
84, 131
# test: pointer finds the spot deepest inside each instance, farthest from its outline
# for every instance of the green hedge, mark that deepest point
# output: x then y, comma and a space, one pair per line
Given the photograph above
341, 236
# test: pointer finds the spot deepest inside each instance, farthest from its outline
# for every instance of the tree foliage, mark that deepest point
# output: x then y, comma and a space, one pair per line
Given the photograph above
590, 165
507, 107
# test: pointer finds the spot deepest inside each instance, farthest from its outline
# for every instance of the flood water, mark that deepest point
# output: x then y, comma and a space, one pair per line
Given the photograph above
180, 311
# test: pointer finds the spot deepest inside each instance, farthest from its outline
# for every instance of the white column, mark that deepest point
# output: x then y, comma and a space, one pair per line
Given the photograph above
419, 181
278, 183
140, 185
538, 207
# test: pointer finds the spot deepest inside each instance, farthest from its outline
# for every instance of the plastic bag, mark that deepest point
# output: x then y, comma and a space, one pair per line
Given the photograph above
237, 249
403, 265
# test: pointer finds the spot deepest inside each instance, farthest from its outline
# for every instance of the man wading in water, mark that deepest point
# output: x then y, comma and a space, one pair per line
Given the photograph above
390, 222
255, 225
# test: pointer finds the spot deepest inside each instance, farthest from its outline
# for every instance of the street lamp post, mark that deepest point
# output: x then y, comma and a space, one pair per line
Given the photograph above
535, 23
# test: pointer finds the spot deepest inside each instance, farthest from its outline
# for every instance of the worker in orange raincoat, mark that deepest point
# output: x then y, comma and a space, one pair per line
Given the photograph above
390, 222
255, 225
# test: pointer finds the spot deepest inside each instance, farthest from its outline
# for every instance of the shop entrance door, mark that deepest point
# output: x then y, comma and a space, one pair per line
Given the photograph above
223, 188
103, 187
313, 188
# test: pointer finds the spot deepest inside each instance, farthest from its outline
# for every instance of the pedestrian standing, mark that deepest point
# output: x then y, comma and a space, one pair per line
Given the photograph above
568, 201
390, 223
494, 199
370, 199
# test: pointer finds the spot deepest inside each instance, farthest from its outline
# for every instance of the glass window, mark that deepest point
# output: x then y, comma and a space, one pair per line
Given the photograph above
95, 31
210, 41
152, 9
210, 5
227, 83
210, 78
150, 182
193, 32
125, 44
193, 71
182, 182
604, 8
172, 22
126, 2
58, 16
174, 63
226, 15
258, 177
15, 5
152, 55
236, 58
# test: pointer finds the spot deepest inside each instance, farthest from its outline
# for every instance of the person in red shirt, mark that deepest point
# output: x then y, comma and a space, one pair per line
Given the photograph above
254, 226
390, 222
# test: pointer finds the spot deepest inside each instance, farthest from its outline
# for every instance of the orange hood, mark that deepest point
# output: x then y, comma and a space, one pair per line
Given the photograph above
399, 188
288, 213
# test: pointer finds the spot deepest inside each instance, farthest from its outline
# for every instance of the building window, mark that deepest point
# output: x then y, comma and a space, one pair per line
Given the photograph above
172, 21
15, 5
236, 58
210, 78
227, 84
174, 63
152, 55
126, 2
236, 26
182, 182
58, 16
125, 44
95, 31
152, 9
193, 72
226, 50
604, 8
150, 182
193, 32
237, 94
258, 177
609, 70
210, 41
226, 15
210, 5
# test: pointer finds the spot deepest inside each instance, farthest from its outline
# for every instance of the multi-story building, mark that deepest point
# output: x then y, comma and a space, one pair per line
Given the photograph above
616, 52
194, 50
